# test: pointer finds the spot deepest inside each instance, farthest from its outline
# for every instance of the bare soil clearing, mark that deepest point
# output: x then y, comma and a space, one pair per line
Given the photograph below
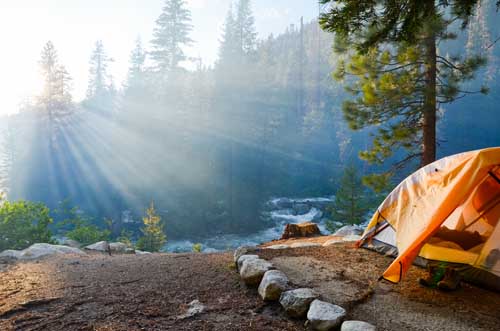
348, 276
152, 292
130, 292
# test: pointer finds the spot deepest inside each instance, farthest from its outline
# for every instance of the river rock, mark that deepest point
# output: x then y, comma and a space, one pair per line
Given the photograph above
252, 270
243, 258
349, 230
296, 302
301, 230
243, 250
101, 246
324, 316
272, 285
357, 326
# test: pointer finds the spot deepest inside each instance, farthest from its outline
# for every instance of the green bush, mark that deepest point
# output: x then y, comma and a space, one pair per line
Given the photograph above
154, 236
23, 223
197, 248
87, 234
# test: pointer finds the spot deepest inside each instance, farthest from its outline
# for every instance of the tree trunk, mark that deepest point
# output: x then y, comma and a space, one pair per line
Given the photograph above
429, 118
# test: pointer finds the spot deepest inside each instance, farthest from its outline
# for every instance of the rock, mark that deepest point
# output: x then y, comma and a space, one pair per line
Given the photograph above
304, 244
71, 243
351, 237
252, 270
296, 302
357, 326
118, 248
332, 242
301, 208
324, 316
272, 285
101, 246
244, 250
243, 258
277, 247
195, 307
349, 230
36, 251
307, 229
129, 250
138, 252
11, 254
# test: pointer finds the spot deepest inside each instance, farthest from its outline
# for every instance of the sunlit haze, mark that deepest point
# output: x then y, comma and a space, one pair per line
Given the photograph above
74, 27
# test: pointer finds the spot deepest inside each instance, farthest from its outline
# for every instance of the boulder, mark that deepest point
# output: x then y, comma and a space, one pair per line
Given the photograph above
296, 302
304, 245
272, 285
244, 250
306, 229
243, 258
349, 230
252, 270
129, 250
324, 316
101, 246
71, 243
277, 247
357, 326
36, 251
332, 242
118, 248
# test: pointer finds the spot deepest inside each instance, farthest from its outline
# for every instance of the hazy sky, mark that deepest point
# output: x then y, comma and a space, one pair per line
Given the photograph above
75, 25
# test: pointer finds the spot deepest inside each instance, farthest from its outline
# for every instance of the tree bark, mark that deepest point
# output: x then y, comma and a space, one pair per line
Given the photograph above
429, 111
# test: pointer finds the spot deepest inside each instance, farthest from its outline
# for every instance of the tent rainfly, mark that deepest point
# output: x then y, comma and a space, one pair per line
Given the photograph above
458, 196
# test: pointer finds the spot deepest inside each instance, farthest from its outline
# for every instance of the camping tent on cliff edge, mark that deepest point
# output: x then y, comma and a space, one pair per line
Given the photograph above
459, 194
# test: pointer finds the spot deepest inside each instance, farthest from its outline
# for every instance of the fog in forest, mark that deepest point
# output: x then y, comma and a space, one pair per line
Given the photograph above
231, 132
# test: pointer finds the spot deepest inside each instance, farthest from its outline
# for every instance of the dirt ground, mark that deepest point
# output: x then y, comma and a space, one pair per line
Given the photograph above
348, 276
152, 292
132, 293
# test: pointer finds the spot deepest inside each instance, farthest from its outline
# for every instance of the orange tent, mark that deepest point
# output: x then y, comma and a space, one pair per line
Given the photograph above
460, 192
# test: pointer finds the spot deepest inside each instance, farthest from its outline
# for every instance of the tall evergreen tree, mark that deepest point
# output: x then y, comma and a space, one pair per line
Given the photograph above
171, 35
136, 69
229, 46
153, 237
100, 82
245, 28
402, 79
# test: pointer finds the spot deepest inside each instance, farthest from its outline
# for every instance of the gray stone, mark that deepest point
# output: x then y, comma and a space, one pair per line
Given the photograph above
37, 251
357, 326
252, 270
324, 316
243, 258
11, 254
71, 243
129, 250
244, 250
138, 252
101, 246
118, 248
296, 302
304, 244
272, 285
195, 307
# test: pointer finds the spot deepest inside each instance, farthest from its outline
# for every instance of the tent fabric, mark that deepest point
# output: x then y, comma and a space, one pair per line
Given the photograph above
461, 192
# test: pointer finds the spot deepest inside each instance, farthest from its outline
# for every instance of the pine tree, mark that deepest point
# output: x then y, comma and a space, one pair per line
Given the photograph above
400, 78
153, 237
100, 82
351, 202
171, 35
245, 28
136, 71
229, 46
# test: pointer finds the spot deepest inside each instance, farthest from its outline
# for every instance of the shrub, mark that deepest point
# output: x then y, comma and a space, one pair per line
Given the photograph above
23, 223
153, 237
87, 234
197, 248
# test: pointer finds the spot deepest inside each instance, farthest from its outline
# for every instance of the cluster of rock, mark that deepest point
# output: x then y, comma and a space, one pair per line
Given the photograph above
273, 285
37, 251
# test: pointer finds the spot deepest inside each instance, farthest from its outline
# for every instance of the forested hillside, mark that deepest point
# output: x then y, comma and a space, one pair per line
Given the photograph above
211, 144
